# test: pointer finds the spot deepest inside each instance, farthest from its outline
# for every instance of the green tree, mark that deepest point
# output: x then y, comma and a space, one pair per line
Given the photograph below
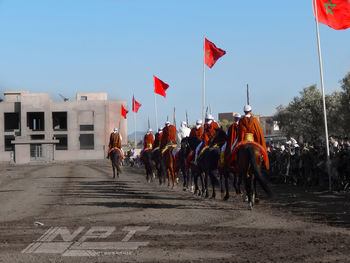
225, 124
344, 111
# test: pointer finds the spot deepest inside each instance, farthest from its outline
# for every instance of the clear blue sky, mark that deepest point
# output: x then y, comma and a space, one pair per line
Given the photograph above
112, 46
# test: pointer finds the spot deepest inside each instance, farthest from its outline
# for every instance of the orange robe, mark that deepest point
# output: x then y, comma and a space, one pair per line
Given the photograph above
148, 140
197, 132
115, 141
169, 133
232, 135
251, 125
157, 140
209, 130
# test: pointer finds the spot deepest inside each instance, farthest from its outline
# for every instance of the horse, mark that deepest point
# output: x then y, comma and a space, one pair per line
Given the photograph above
189, 145
208, 161
115, 155
168, 160
158, 164
181, 163
249, 157
146, 158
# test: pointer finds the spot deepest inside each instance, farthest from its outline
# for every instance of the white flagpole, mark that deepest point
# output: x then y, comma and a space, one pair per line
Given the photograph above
155, 110
323, 96
135, 129
203, 92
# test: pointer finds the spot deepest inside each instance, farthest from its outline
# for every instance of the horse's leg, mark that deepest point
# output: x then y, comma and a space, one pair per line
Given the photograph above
185, 177
221, 174
226, 175
212, 180
250, 190
195, 181
206, 184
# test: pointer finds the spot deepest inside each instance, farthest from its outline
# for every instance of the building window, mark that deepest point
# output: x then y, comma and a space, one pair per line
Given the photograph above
86, 141
59, 121
36, 151
86, 127
8, 145
11, 121
83, 97
36, 121
63, 142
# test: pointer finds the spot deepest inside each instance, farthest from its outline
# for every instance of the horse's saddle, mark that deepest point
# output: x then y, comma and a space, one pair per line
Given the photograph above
116, 149
204, 149
169, 145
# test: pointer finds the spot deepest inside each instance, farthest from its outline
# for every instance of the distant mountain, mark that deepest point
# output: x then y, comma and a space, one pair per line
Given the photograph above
139, 136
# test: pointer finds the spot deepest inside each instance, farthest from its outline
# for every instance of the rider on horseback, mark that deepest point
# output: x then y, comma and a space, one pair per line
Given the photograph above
249, 129
232, 136
148, 140
183, 132
209, 130
115, 141
158, 139
168, 137
197, 131
249, 124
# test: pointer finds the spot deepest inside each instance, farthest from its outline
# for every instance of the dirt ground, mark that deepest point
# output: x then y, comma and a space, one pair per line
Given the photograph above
88, 216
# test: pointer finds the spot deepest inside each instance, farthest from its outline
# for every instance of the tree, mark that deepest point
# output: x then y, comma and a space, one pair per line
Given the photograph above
303, 115
344, 112
225, 124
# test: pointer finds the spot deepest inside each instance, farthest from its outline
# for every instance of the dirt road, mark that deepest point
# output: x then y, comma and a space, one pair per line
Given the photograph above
89, 217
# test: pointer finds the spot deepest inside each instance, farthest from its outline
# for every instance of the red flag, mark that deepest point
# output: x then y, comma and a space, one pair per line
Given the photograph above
135, 105
160, 87
211, 53
334, 13
124, 112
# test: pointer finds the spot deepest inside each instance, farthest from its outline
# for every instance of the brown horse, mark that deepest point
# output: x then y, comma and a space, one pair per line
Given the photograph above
116, 157
169, 165
249, 157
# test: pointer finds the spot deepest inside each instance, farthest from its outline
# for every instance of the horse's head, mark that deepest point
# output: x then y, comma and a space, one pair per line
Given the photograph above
219, 138
191, 142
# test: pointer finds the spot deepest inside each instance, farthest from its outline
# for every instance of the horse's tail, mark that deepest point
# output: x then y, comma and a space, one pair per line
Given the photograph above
257, 171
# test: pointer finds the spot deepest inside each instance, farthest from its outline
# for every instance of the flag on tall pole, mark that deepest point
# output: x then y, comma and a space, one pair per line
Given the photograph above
124, 112
336, 14
211, 54
135, 105
333, 13
160, 87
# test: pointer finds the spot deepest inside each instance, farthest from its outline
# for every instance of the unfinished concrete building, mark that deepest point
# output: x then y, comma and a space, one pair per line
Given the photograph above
36, 129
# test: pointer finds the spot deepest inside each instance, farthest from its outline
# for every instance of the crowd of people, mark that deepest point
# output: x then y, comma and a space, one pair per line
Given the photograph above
305, 164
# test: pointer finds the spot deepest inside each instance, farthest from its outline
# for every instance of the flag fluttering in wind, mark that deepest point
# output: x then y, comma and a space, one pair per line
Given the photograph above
124, 112
334, 13
160, 87
135, 105
212, 53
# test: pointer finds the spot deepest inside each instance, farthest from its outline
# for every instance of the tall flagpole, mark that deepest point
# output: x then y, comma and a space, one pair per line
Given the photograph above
323, 96
134, 127
155, 110
203, 102
133, 109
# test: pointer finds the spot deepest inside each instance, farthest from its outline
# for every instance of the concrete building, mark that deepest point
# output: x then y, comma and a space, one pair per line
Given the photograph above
36, 129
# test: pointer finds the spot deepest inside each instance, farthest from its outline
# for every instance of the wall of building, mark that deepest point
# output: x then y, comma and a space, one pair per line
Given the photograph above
96, 112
